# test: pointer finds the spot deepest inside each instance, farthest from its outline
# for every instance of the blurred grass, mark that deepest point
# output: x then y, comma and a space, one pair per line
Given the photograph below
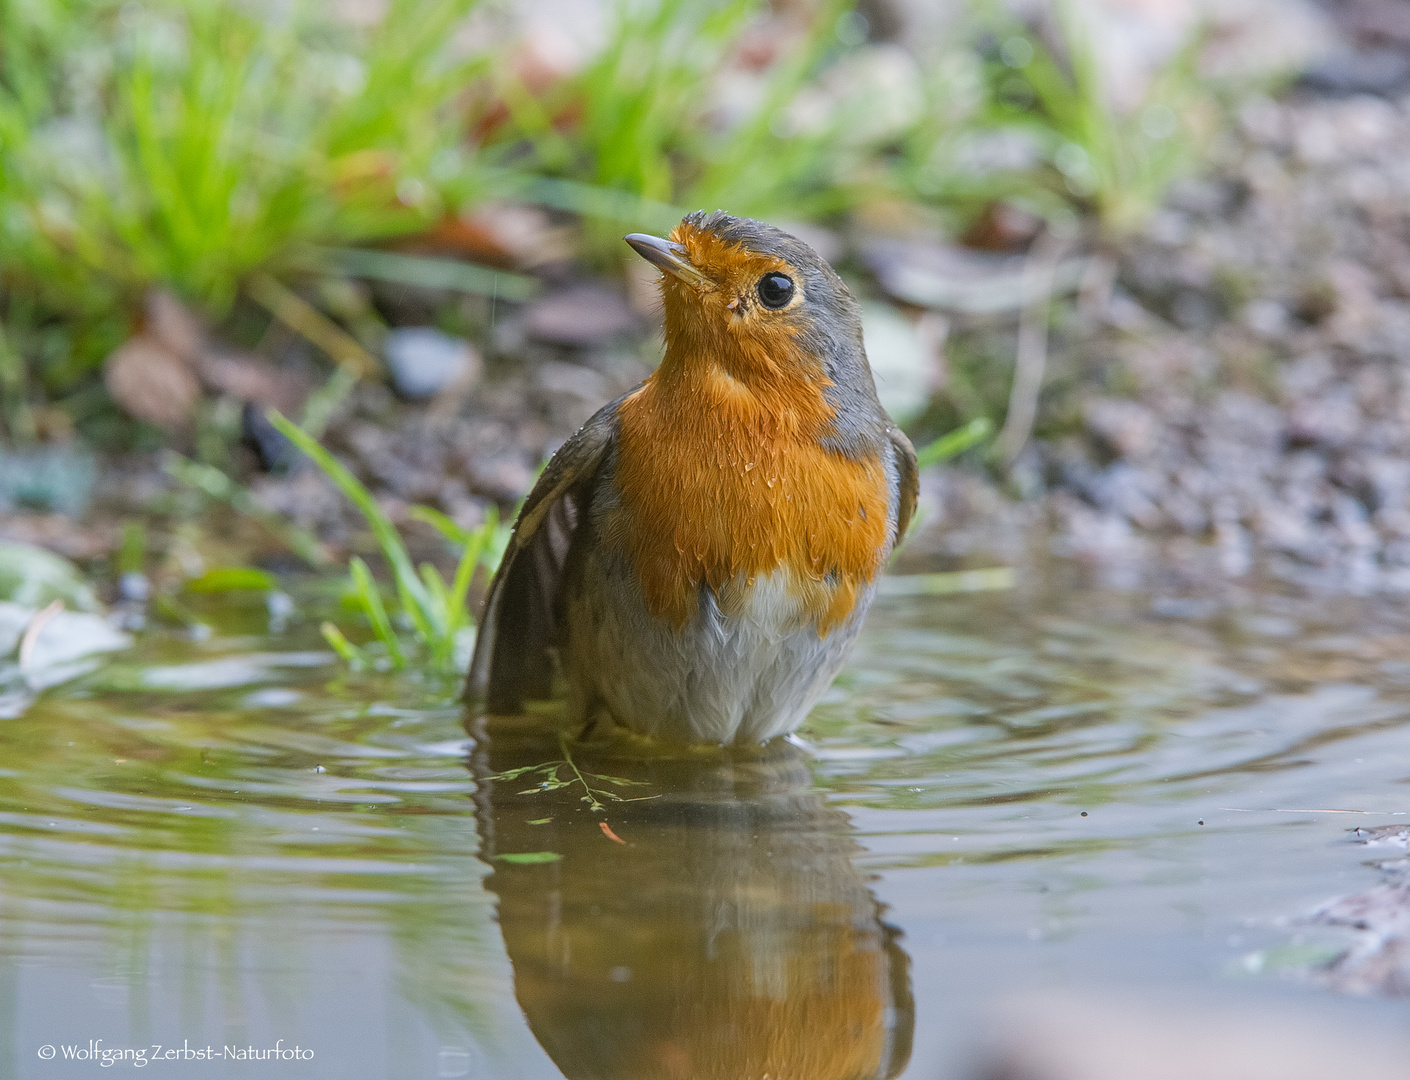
223, 137
191, 142
645, 120
639, 137
1116, 163
635, 108
213, 147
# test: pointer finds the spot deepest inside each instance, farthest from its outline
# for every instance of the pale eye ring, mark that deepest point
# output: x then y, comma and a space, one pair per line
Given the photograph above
775, 290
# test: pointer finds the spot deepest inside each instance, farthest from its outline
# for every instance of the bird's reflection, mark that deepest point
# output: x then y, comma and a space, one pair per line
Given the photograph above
727, 935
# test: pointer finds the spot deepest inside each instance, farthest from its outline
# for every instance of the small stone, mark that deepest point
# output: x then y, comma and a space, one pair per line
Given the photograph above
506, 234
134, 587
424, 361
952, 278
55, 478
33, 577
1002, 226
61, 639
1126, 426
1364, 71
574, 380
1267, 318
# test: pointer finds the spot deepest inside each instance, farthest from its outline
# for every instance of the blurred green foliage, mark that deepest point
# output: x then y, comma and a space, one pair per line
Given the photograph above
1115, 162
197, 143
189, 142
625, 119
646, 119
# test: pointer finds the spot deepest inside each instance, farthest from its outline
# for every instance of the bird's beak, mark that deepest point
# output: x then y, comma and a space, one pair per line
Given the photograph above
669, 257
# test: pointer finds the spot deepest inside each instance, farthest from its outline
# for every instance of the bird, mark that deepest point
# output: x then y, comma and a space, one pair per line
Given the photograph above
695, 562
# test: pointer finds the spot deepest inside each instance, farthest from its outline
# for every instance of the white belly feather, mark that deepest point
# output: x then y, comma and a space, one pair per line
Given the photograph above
742, 679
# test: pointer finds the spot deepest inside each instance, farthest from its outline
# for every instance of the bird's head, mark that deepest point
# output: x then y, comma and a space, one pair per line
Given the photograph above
757, 303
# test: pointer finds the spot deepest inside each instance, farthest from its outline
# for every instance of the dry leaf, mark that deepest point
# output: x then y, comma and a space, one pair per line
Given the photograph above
175, 326
502, 234
152, 383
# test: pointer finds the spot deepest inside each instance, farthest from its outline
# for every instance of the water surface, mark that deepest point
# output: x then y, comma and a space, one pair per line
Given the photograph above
225, 843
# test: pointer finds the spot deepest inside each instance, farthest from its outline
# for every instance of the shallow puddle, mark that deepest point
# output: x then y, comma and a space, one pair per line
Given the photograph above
214, 849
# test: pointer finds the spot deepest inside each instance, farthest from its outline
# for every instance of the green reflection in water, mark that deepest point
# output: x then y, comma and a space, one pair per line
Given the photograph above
215, 842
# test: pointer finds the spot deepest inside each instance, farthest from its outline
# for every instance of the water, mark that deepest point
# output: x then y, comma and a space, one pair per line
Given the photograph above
208, 847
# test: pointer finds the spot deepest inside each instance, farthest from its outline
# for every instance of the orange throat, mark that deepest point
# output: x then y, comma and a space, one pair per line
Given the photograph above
723, 482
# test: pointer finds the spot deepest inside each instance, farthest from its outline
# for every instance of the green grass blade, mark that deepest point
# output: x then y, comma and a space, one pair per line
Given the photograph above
453, 533
325, 401
427, 272
351, 654
371, 601
232, 579
529, 858
408, 583
464, 572
424, 615
443, 648
436, 587
435, 584
956, 442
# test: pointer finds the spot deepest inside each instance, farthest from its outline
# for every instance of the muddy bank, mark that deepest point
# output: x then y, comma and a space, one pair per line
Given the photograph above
1239, 402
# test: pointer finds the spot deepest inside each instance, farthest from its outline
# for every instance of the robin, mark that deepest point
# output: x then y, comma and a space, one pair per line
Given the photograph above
696, 561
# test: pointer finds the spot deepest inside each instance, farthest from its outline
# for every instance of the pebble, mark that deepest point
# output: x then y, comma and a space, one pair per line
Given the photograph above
424, 361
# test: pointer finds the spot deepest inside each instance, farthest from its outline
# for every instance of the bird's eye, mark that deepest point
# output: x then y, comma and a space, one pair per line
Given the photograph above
775, 290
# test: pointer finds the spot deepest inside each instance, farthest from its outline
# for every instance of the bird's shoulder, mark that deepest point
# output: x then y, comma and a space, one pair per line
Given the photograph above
572, 464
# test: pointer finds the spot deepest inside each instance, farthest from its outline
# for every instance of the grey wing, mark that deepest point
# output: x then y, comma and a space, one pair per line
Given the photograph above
513, 660
904, 455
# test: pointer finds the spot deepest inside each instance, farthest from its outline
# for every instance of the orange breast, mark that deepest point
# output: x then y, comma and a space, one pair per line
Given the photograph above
721, 483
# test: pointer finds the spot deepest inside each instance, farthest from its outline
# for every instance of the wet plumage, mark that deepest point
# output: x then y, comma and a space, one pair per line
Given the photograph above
697, 559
